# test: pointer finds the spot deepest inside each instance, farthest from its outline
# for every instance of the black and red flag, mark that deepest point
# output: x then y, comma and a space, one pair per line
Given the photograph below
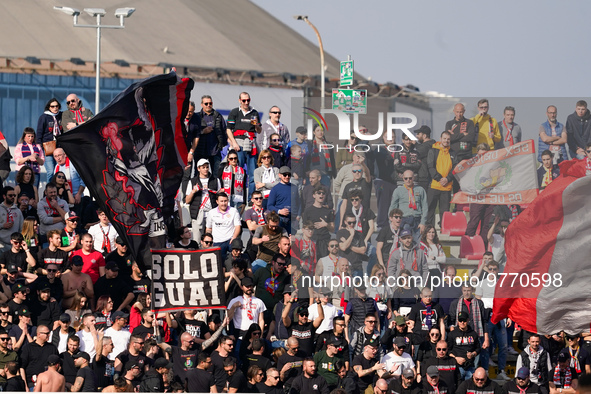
131, 156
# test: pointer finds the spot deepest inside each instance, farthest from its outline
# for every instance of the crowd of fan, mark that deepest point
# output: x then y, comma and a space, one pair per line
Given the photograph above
75, 311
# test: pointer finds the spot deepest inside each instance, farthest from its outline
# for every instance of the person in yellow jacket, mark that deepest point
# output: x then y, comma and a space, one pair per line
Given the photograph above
487, 128
441, 161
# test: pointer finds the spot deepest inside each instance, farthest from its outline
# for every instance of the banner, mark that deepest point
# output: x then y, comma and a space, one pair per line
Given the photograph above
131, 157
500, 177
187, 279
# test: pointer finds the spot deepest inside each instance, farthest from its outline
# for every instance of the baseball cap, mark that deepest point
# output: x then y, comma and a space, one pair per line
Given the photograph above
64, 317
288, 289
162, 363
463, 316
371, 342
285, 170
400, 341
236, 244
118, 315
111, 265
44, 287
408, 373
202, 162
24, 311
119, 241
18, 287
53, 359
424, 129
77, 260
247, 281
334, 342
302, 310
400, 321
12, 269
405, 232
432, 371
562, 357
523, 373
83, 355
71, 216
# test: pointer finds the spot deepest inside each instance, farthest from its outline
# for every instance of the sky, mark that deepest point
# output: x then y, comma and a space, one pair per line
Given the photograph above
461, 48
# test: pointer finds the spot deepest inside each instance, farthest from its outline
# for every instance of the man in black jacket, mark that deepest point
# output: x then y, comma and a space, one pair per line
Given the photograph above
464, 346
423, 147
479, 384
210, 136
153, 381
309, 381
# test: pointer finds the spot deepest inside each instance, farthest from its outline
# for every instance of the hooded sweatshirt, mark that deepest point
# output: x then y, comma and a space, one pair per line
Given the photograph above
578, 132
412, 259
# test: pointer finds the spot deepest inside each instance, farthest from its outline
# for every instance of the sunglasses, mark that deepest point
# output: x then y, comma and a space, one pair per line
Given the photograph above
54, 106
208, 104
407, 178
60, 177
265, 157
73, 220
462, 320
322, 193
257, 198
351, 223
276, 112
397, 217
245, 100
371, 321
479, 380
304, 314
207, 242
275, 140
71, 101
434, 334
287, 174
333, 246
357, 171
50, 270
4, 339
441, 349
355, 199
232, 158
588, 151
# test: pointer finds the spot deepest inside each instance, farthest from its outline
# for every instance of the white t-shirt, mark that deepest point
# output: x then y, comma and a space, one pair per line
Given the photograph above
486, 291
120, 341
392, 358
330, 312
99, 232
222, 224
497, 248
242, 320
86, 343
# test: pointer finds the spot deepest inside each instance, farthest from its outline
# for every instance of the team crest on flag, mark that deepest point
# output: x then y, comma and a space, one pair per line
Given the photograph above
131, 157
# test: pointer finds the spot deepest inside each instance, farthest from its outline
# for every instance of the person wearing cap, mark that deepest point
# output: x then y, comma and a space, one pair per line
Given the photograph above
52, 210
398, 360
406, 383
223, 223
103, 233
18, 301
200, 195
69, 237
579, 356
412, 200
34, 356
310, 381
19, 254
521, 384
564, 378
10, 216
432, 384
22, 332
284, 199
59, 336
85, 379
398, 327
94, 262
305, 328
325, 361
118, 333
464, 346
153, 380
52, 254
480, 383
301, 135
76, 280
367, 366
51, 381
246, 309
44, 310
410, 257
449, 371
236, 247
122, 256
537, 360
113, 285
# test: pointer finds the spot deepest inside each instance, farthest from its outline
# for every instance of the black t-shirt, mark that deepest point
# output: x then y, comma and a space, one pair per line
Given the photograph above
305, 335
146, 332
366, 380
139, 286
361, 185
15, 307
314, 214
238, 121
256, 359
116, 288
388, 238
192, 245
365, 216
199, 381
217, 366
104, 369
263, 388
296, 368
69, 370
237, 381
14, 384
196, 328
358, 241
58, 257
128, 360
89, 385
419, 313
123, 262
19, 259
395, 386
184, 361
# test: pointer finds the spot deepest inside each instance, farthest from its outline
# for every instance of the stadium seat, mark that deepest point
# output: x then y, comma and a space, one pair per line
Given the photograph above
454, 223
471, 248
463, 207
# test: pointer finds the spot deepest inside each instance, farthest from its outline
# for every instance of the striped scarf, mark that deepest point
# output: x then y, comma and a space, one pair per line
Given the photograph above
547, 177
574, 359
78, 116
567, 377
26, 151
476, 315
412, 202
316, 156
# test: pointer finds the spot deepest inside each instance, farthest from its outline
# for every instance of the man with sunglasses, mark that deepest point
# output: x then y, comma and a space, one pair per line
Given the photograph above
273, 125
34, 356
464, 346
209, 134
243, 125
280, 158
388, 237
449, 373
133, 355
6, 354
290, 363
480, 383
76, 114
19, 255
579, 357
398, 360
200, 194
521, 384
411, 199
360, 184
305, 329
10, 216
284, 199
198, 379
368, 331
271, 384
267, 239
69, 237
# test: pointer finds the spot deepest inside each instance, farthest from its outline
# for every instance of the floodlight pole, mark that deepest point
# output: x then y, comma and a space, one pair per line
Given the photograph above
322, 86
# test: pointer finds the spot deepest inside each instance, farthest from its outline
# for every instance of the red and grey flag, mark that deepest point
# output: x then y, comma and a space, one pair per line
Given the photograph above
546, 278
131, 156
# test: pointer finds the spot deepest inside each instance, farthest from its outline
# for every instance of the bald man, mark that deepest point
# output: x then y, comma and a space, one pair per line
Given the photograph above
76, 114
479, 384
462, 132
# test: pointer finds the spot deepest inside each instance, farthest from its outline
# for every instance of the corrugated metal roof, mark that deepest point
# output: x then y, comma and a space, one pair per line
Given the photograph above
229, 34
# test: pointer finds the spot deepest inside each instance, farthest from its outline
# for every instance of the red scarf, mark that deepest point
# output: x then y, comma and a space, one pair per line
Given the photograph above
414, 266
78, 116
259, 213
316, 156
509, 134
65, 168
49, 210
588, 165
106, 242
567, 377
238, 186
412, 202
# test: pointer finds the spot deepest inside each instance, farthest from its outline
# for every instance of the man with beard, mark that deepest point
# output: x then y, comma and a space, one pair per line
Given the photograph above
407, 159
447, 367
578, 130
406, 384
479, 384
76, 113
537, 360
423, 147
462, 133
10, 216
433, 384
426, 314
409, 257
270, 282
45, 311
553, 137
305, 329
352, 245
521, 384
209, 138
309, 381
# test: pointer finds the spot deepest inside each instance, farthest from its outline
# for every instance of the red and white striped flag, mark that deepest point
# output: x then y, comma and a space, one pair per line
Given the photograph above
546, 279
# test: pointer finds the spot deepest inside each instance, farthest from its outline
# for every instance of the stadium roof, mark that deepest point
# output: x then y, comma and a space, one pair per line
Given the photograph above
232, 35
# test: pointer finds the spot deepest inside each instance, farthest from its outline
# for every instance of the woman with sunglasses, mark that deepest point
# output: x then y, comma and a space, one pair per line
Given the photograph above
254, 375
265, 176
29, 153
427, 348
233, 179
25, 184
63, 187
280, 159
49, 126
